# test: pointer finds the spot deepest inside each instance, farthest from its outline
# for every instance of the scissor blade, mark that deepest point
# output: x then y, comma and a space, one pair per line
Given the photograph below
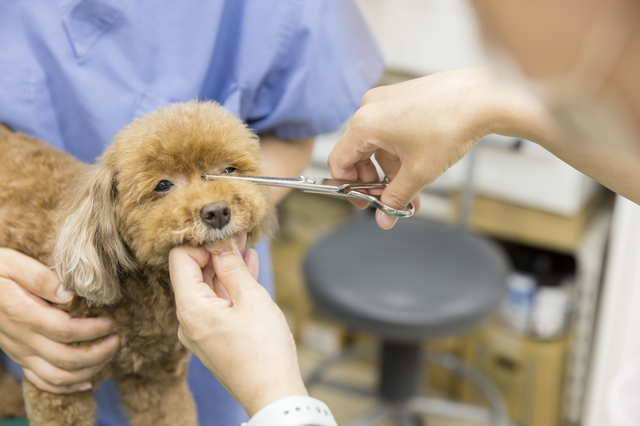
337, 187
348, 185
257, 179
295, 183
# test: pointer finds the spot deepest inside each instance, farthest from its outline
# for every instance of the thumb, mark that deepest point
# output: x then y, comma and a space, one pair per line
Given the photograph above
185, 269
33, 276
402, 189
233, 273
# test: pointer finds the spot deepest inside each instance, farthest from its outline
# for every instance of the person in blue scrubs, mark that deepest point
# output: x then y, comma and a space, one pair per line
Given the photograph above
73, 73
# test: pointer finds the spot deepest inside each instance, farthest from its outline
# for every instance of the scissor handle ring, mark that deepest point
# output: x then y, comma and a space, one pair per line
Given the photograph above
408, 212
375, 200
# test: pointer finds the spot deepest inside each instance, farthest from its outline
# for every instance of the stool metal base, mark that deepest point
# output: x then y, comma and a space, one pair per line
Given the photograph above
405, 413
401, 415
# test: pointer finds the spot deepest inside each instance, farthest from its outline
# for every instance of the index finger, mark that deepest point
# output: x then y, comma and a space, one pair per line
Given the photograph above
59, 326
33, 276
348, 151
348, 162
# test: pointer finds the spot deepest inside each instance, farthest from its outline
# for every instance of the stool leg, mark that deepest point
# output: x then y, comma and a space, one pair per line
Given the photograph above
400, 371
404, 416
316, 375
499, 414
455, 410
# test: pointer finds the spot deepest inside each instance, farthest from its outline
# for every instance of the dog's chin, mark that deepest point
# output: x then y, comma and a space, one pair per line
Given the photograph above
222, 245
220, 241
214, 240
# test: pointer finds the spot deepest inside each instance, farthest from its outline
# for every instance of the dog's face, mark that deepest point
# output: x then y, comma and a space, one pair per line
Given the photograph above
162, 199
148, 195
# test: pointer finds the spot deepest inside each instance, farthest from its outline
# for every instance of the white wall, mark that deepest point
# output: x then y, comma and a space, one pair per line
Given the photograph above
618, 334
425, 36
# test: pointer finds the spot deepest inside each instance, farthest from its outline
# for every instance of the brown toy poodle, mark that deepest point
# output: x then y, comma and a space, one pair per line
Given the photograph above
107, 231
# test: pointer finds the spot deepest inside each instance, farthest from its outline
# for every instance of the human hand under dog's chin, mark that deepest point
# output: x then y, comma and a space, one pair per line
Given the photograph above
242, 337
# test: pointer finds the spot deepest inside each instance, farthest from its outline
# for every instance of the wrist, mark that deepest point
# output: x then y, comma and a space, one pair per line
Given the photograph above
294, 411
274, 391
513, 110
499, 107
485, 105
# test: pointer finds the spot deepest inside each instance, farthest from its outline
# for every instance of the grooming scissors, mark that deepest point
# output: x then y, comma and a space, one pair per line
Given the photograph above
336, 187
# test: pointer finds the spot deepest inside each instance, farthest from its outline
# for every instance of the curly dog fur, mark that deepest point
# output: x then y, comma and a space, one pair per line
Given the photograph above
107, 231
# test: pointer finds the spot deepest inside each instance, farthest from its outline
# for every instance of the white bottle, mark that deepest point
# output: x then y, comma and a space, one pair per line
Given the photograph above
516, 308
549, 313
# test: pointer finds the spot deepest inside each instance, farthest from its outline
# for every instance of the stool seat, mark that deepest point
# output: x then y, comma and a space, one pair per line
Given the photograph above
419, 280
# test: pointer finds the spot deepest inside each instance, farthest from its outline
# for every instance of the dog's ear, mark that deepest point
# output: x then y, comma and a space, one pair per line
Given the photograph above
266, 228
89, 255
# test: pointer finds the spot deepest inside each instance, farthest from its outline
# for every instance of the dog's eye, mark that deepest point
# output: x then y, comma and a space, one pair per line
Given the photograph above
229, 170
163, 186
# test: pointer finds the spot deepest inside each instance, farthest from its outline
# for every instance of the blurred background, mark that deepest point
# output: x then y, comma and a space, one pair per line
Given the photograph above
565, 325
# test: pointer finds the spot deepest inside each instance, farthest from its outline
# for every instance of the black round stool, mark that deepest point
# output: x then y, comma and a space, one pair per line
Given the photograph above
417, 281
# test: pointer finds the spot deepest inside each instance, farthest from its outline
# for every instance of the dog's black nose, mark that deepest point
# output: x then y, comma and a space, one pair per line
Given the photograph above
216, 215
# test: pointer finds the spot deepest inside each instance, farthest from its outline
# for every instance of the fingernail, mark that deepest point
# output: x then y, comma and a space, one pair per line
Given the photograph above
63, 295
385, 221
85, 386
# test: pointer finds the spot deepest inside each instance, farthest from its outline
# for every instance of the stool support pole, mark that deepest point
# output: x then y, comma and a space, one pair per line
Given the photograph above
400, 371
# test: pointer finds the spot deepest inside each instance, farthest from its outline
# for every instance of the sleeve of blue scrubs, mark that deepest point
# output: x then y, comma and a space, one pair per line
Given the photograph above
322, 70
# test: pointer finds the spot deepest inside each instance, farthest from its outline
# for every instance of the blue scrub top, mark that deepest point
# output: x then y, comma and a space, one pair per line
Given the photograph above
74, 72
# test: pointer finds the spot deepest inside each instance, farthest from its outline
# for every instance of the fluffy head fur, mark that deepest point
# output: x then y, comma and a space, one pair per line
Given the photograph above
118, 222
107, 229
